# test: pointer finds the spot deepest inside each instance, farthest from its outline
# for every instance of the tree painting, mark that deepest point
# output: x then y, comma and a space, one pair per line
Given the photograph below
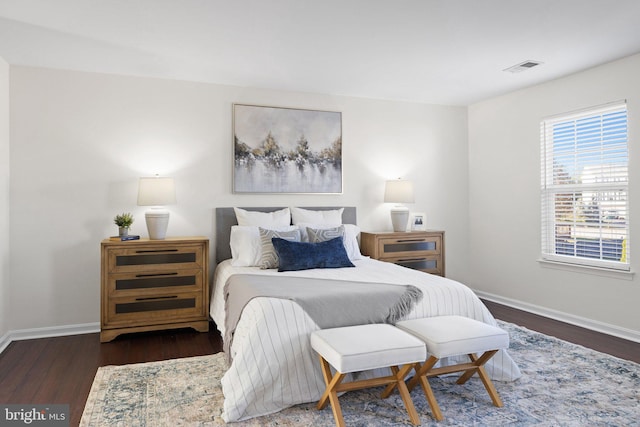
284, 150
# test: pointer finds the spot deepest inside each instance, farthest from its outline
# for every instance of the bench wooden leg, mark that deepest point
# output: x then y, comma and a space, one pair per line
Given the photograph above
421, 378
335, 408
422, 370
335, 385
488, 384
477, 361
431, 398
467, 369
482, 373
330, 394
332, 382
404, 392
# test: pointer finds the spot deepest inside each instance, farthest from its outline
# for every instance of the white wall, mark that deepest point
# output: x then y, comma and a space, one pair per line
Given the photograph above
80, 141
504, 174
4, 199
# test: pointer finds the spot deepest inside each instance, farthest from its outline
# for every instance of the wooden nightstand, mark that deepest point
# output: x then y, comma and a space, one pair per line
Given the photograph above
420, 250
149, 285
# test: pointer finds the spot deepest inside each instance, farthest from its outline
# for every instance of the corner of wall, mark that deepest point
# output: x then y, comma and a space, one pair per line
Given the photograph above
4, 198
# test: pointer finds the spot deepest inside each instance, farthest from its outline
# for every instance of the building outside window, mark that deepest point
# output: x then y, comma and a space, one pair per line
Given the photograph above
584, 188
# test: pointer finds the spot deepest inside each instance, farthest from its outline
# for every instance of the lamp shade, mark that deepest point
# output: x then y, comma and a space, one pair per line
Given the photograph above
398, 191
156, 191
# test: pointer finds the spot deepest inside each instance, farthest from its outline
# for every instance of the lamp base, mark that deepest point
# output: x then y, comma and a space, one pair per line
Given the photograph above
157, 223
399, 218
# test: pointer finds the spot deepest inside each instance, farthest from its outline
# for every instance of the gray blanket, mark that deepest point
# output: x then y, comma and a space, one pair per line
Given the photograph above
330, 303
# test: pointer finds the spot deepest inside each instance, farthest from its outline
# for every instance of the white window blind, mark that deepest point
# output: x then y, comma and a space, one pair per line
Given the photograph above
585, 212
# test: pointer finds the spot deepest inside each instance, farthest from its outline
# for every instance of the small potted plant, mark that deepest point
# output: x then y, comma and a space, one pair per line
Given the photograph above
123, 221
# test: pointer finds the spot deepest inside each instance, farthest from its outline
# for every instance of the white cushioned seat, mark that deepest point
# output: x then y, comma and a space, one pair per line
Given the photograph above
364, 347
453, 335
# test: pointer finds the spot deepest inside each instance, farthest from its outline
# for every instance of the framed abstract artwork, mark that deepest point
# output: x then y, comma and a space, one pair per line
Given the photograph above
286, 150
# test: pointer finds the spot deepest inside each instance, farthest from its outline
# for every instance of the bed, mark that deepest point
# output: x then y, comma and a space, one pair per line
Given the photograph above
273, 365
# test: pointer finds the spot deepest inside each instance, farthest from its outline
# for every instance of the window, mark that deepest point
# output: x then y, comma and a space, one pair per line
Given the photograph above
585, 212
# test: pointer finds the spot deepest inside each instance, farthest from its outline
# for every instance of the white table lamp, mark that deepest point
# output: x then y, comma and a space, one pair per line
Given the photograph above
399, 191
156, 192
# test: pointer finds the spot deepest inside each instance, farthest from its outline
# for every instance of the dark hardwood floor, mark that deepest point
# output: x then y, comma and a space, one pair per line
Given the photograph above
604, 343
61, 370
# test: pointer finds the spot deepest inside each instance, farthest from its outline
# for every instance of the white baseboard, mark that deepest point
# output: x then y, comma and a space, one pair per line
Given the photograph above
52, 331
594, 325
4, 341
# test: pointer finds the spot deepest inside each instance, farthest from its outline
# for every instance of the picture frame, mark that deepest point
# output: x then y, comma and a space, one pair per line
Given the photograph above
286, 150
418, 221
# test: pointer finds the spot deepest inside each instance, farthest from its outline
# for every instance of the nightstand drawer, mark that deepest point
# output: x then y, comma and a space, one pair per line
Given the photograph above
430, 264
140, 310
409, 246
154, 258
171, 281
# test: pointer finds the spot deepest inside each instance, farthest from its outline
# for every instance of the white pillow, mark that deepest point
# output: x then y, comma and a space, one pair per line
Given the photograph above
330, 217
351, 233
245, 245
277, 219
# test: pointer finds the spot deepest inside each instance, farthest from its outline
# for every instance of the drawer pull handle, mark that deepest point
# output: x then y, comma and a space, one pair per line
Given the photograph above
157, 274
155, 251
412, 259
410, 240
157, 298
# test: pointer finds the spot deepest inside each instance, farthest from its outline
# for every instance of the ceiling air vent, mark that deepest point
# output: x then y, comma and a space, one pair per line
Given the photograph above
523, 66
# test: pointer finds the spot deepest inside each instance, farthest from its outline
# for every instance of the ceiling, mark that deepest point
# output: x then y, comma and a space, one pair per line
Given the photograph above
450, 52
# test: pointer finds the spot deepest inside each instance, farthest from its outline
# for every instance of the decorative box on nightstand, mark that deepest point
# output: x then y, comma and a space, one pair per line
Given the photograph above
420, 250
149, 285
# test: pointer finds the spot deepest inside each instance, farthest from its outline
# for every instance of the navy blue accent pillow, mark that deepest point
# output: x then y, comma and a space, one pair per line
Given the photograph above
296, 256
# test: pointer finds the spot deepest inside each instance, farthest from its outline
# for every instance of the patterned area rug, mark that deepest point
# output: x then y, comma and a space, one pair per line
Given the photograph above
562, 385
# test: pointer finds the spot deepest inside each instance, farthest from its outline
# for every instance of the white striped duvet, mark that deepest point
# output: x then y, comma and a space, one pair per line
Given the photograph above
274, 366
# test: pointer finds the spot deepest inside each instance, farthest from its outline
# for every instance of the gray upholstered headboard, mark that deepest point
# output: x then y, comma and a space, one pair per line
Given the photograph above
226, 218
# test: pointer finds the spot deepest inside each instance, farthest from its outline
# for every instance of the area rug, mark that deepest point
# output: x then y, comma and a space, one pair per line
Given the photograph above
562, 384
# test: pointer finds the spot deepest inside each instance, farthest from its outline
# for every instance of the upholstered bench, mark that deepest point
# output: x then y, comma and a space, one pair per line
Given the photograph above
447, 336
364, 347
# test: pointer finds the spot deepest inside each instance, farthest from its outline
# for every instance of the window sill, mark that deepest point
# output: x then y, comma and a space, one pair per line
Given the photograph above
586, 269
